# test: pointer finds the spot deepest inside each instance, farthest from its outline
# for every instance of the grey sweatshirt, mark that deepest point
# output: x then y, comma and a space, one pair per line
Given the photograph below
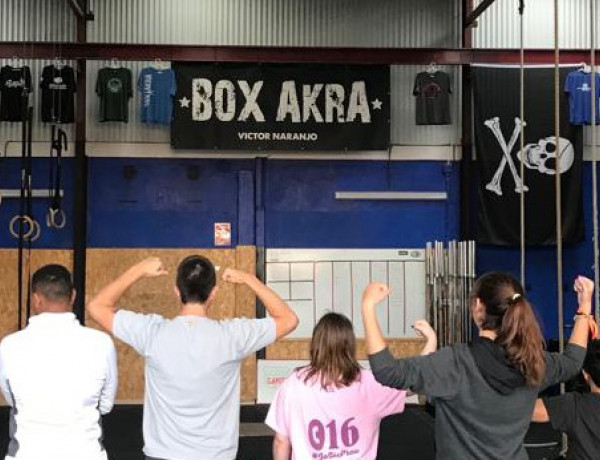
473, 421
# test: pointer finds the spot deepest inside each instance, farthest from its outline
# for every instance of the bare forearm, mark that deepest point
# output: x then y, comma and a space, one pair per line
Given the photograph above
581, 329
580, 333
583, 321
282, 449
540, 414
430, 347
373, 336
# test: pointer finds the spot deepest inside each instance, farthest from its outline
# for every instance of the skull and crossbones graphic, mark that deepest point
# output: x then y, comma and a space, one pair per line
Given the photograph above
546, 156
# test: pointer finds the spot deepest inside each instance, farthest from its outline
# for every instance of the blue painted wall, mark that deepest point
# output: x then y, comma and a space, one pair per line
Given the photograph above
302, 211
162, 207
166, 204
174, 204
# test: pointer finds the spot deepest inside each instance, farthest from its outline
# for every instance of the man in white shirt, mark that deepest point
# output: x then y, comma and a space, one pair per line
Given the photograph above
57, 376
192, 397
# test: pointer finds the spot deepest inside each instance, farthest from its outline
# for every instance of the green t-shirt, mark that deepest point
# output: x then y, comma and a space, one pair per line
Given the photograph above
114, 88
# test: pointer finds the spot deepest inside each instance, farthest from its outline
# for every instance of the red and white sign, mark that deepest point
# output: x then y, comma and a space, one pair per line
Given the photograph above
222, 234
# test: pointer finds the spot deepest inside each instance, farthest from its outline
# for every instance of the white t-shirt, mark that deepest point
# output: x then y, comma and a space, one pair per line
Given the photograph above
341, 423
192, 398
58, 376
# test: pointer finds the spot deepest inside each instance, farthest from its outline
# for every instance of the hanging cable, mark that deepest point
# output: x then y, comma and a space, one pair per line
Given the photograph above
55, 217
594, 156
23, 226
21, 234
558, 203
57, 86
522, 144
29, 209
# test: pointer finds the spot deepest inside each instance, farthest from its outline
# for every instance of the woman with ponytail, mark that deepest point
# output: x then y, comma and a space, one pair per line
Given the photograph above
485, 391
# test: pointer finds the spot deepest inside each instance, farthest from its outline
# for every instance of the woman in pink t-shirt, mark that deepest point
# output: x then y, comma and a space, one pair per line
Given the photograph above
332, 408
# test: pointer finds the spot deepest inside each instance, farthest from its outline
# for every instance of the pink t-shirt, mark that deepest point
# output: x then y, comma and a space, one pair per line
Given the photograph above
340, 423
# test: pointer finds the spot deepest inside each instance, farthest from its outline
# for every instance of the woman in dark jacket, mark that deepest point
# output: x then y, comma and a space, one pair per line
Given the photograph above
485, 391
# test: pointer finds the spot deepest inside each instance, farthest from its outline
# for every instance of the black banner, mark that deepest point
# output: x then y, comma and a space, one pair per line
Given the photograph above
497, 135
281, 107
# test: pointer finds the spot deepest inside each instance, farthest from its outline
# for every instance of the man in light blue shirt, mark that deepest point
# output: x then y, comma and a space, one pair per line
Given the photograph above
192, 397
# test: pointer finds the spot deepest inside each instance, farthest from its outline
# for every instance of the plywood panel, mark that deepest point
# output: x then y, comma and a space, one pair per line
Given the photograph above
147, 296
299, 348
157, 296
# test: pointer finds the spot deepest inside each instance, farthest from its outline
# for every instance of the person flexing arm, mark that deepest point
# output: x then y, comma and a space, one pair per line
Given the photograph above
103, 307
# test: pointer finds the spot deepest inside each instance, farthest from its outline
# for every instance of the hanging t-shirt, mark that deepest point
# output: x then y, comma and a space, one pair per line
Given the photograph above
114, 88
58, 94
157, 88
578, 86
13, 82
433, 98
333, 423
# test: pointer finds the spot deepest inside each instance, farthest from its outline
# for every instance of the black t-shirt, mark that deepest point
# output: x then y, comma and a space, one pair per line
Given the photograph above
433, 98
13, 82
58, 94
114, 88
578, 415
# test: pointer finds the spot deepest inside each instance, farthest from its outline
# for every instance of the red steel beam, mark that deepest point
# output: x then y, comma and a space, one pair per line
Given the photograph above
473, 15
400, 56
139, 52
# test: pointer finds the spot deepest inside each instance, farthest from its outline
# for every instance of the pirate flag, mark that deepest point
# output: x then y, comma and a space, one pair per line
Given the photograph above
498, 129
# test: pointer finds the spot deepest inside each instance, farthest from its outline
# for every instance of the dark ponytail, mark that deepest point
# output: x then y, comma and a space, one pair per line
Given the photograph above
511, 317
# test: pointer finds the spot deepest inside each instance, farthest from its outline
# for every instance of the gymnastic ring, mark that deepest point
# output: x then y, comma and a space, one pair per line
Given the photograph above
37, 231
25, 219
51, 218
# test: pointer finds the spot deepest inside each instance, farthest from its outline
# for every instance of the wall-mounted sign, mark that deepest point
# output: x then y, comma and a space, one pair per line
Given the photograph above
281, 106
222, 234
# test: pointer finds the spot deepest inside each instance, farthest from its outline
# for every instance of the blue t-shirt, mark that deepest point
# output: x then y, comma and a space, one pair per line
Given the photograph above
157, 88
579, 87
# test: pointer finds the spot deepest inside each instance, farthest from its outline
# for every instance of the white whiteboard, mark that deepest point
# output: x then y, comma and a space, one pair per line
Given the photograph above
316, 281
